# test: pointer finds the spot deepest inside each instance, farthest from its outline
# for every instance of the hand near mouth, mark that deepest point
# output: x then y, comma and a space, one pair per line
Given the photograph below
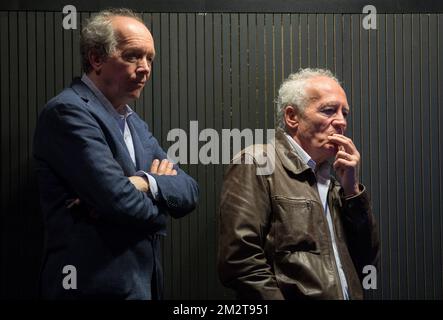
346, 164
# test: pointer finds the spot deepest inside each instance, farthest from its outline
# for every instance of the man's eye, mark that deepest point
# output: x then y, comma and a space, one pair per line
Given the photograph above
130, 57
328, 111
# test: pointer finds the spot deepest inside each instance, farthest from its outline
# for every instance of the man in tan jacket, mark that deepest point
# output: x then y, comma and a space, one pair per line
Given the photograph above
297, 232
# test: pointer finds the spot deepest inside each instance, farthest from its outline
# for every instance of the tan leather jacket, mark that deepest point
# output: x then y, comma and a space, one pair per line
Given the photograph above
274, 239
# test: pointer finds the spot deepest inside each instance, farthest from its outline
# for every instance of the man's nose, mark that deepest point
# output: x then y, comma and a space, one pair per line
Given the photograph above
144, 66
339, 123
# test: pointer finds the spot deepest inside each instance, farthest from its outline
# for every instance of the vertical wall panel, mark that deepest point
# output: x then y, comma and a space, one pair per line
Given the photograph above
417, 110
426, 156
210, 212
277, 51
20, 142
76, 69
13, 204
383, 218
344, 29
192, 115
295, 41
59, 63
176, 236
438, 171
338, 45
49, 54
365, 109
201, 267
155, 78
252, 72
391, 156
32, 232
374, 113
68, 54
286, 45
235, 71
312, 40
399, 153
435, 191
243, 71
329, 41
224, 70
5, 133
409, 157
216, 289
260, 80
182, 97
32, 94
321, 41
274, 64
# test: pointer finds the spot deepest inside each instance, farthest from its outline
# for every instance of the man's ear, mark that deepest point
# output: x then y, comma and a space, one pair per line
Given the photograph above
96, 60
291, 117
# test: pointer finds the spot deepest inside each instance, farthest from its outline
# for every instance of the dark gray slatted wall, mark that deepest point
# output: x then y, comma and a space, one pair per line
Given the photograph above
223, 70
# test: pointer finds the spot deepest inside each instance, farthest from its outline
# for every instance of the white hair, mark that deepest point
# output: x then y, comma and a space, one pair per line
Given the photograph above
292, 91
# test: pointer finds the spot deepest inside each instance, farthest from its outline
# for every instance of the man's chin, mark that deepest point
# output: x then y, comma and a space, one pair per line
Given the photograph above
133, 96
330, 151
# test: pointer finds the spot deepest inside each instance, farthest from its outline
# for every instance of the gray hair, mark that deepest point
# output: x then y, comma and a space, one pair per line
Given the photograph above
292, 91
98, 34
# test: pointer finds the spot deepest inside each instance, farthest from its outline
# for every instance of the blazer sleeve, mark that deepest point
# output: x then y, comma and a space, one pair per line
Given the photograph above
245, 212
69, 139
179, 194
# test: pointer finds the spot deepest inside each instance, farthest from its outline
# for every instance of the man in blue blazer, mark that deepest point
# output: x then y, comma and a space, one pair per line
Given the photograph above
106, 186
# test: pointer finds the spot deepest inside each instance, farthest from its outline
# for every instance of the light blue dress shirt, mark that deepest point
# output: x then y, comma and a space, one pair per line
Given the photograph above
124, 128
323, 180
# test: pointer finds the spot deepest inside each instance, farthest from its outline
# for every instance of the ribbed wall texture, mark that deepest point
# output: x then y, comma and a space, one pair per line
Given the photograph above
224, 71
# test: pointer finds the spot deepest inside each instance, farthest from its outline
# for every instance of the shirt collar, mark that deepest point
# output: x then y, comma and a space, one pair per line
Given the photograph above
322, 172
101, 97
303, 155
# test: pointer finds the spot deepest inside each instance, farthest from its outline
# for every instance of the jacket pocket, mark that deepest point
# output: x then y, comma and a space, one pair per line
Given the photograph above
295, 225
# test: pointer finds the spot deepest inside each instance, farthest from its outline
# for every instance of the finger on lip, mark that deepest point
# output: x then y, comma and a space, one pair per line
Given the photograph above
336, 136
337, 141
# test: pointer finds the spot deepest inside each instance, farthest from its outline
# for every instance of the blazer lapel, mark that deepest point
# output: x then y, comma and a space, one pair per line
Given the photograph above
95, 106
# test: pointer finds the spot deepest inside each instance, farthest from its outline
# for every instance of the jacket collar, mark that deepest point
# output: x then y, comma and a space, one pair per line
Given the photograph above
290, 160
82, 90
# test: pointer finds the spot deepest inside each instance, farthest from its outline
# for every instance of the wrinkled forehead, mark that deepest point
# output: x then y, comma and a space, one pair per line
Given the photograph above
128, 27
325, 88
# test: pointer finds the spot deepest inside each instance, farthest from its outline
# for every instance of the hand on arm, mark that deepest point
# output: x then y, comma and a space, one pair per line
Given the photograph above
177, 191
165, 167
140, 183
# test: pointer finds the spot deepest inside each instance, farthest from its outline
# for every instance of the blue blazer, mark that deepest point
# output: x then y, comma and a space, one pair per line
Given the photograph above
112, 237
